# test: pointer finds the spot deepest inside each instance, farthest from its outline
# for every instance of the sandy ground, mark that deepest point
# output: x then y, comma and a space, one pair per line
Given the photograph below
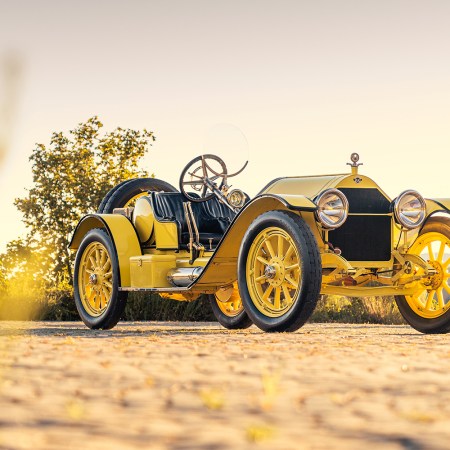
198, 386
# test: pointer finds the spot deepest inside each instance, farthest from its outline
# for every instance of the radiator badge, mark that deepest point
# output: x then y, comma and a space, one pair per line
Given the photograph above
357, 180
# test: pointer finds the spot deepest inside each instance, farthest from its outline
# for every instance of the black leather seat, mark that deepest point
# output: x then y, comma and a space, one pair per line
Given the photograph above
212, 217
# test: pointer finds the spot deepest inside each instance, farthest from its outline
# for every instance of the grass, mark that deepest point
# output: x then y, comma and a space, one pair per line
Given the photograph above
57, 304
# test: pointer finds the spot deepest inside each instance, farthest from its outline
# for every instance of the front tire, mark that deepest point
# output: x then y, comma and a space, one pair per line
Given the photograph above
99, 302
428, 309
279, 271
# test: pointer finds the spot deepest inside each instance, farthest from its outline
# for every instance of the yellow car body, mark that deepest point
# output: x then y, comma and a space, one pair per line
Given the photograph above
368, 255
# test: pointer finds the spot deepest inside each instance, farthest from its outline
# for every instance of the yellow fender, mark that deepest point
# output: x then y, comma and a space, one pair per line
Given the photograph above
437, 205
221, 270
121, 232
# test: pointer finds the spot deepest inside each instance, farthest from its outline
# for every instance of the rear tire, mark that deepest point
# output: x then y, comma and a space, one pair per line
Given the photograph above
99, 302
127, 192
230, 315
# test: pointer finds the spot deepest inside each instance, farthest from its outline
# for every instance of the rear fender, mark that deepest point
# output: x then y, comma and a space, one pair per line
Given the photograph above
122, 234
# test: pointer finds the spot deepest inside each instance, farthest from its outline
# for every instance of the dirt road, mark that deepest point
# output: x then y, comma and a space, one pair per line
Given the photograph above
198, 386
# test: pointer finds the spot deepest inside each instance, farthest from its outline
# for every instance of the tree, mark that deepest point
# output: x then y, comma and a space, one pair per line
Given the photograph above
70, 178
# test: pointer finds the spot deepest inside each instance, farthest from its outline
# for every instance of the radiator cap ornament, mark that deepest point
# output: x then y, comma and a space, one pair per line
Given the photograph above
354, 158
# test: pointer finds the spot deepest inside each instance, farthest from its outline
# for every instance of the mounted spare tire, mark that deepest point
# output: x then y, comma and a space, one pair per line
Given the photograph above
126, 193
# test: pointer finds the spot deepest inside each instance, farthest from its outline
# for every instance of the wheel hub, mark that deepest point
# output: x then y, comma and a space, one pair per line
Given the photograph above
437, 279
274, 272
270, 272
93, 279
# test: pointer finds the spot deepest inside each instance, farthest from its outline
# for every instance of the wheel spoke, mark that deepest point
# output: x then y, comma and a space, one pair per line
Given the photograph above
204, 190
280, 246
97, 300
97, 257
104, 257
108, 274
444, 265
446, 287
269, 248
108, 284
92, 261
440, 298
266, 295
277, 298
430, 252
291, 281
107, 265
106, 293
429, 299
262, 260
288, 253
287, 295
441, 252
289, 268
260, 279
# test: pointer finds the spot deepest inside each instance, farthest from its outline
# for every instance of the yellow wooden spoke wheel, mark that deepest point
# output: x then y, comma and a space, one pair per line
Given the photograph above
230, 313
432, 298
273, 271
231, 308
94, 278
428, 309
279, 271
96, 281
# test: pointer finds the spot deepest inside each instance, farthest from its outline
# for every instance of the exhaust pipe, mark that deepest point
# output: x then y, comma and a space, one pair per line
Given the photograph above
183, 276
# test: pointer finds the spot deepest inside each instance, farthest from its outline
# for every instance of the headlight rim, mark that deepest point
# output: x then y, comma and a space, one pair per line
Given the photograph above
345, 204
397, 203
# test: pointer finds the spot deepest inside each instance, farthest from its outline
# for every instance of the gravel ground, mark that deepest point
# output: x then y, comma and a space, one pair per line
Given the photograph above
198, 386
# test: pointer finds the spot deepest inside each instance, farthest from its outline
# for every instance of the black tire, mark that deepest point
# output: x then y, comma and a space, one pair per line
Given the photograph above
306, 295
437, 325
124, 192
108, 196
239, 321
107, 318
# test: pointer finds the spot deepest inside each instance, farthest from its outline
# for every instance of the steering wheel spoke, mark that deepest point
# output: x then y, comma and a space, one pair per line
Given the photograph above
200, 175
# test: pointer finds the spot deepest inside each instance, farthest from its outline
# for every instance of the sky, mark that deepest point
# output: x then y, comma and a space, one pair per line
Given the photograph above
293, 86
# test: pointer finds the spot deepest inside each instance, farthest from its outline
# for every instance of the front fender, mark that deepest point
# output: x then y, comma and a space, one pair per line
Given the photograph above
221, 270
122, 234
437, 205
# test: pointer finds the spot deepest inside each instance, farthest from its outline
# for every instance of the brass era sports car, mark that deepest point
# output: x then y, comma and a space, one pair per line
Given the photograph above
264, 260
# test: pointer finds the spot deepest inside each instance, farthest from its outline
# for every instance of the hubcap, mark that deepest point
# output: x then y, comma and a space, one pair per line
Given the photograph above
273, 272
95, 279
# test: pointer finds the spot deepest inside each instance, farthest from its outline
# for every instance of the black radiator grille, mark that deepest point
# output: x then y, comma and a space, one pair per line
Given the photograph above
365, 237
368, 200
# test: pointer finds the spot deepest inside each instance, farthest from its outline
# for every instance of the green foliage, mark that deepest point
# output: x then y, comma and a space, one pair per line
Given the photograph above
71, 175
143, 306
70, 178
381, 310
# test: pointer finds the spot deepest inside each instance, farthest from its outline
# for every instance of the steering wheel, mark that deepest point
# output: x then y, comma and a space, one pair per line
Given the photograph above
203, 174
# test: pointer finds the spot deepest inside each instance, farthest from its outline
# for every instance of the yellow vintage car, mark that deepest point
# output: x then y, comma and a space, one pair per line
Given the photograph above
264, 260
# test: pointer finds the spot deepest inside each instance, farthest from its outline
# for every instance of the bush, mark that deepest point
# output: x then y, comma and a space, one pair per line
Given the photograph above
378, 310
143, 306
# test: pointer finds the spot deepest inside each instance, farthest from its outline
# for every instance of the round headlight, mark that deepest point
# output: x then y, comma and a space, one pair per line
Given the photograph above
332, 208
410, 209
